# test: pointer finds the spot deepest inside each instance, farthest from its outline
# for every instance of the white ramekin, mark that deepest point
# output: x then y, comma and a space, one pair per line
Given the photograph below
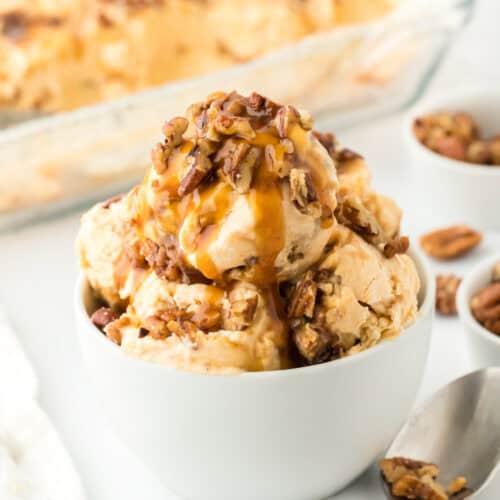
451, 190
299, 434
484, 346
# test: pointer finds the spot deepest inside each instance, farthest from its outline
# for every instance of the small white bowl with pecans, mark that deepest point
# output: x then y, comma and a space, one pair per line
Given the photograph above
478, 304
454, 142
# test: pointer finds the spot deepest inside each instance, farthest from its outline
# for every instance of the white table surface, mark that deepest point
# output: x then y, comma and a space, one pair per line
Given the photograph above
38, 270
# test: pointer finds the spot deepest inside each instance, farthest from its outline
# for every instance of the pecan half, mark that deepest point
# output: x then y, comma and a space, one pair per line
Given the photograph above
286, 116
446, 293
303, 297
399, 244
485, 306
103, 316
451, 242
234, 125
198, 167
302, 191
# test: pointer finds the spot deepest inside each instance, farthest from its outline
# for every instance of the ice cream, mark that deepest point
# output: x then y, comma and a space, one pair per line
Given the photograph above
253, 243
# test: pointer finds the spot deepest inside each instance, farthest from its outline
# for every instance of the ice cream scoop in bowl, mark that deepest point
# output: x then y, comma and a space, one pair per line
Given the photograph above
264, 331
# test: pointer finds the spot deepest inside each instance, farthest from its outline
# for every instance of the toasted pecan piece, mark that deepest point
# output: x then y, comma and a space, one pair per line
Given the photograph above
303, 297
302, 191
286, 116
412, 487
314, 344
399, 244
450, 242
199, 166
103, 316
446, 293
243, 303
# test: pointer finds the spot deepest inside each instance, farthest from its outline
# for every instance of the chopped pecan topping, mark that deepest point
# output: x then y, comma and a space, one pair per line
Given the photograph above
450, 242
399, 244
446, 293
302, 191
413, 479
163, 259
412, 487
103, 316
352, 213
314, 344
239, 161
158, 327
243, 307
234, 125
172, 130
303, 297
198, 167
485, 306
286, 116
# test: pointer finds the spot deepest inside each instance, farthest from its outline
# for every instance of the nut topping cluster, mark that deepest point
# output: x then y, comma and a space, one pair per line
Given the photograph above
456, 135
414, 479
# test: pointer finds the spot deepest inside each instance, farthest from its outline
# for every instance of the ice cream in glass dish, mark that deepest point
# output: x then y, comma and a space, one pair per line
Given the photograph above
253, 243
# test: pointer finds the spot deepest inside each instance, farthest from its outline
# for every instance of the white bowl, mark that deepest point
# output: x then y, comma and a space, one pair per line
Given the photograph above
299, 434
451, 190
484, 346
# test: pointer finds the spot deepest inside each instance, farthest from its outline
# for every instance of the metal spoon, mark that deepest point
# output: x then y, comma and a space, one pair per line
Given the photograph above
458, 429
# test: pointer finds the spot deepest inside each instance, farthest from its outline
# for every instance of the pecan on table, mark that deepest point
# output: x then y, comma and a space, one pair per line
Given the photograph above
450, 242
446, 293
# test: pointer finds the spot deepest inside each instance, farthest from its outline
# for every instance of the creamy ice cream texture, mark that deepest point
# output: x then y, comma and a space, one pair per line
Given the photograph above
253, 243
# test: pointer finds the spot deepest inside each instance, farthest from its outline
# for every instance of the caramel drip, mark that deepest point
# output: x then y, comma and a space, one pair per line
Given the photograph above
269, 226
215, 202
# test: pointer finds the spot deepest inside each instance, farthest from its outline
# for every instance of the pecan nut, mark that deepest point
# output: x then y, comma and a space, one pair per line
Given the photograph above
315, 345
485, 306
198, 167
450, 242
446, 293
103, 316
394, 246
302, 191
303, 297
243, 303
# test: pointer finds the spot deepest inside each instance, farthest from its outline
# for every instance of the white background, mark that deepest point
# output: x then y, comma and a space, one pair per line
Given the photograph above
38, 270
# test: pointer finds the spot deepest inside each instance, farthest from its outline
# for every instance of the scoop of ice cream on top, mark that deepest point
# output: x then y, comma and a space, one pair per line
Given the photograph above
245, 187
242, 250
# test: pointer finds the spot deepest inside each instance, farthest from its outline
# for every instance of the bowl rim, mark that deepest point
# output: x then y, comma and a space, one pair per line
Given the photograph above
425, 310
439, 102
464, 294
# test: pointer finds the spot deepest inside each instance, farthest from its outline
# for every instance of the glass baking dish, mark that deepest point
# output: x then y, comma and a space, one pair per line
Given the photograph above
350, 74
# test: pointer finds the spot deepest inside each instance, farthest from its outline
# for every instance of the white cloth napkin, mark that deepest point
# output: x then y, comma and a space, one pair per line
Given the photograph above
33, 462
